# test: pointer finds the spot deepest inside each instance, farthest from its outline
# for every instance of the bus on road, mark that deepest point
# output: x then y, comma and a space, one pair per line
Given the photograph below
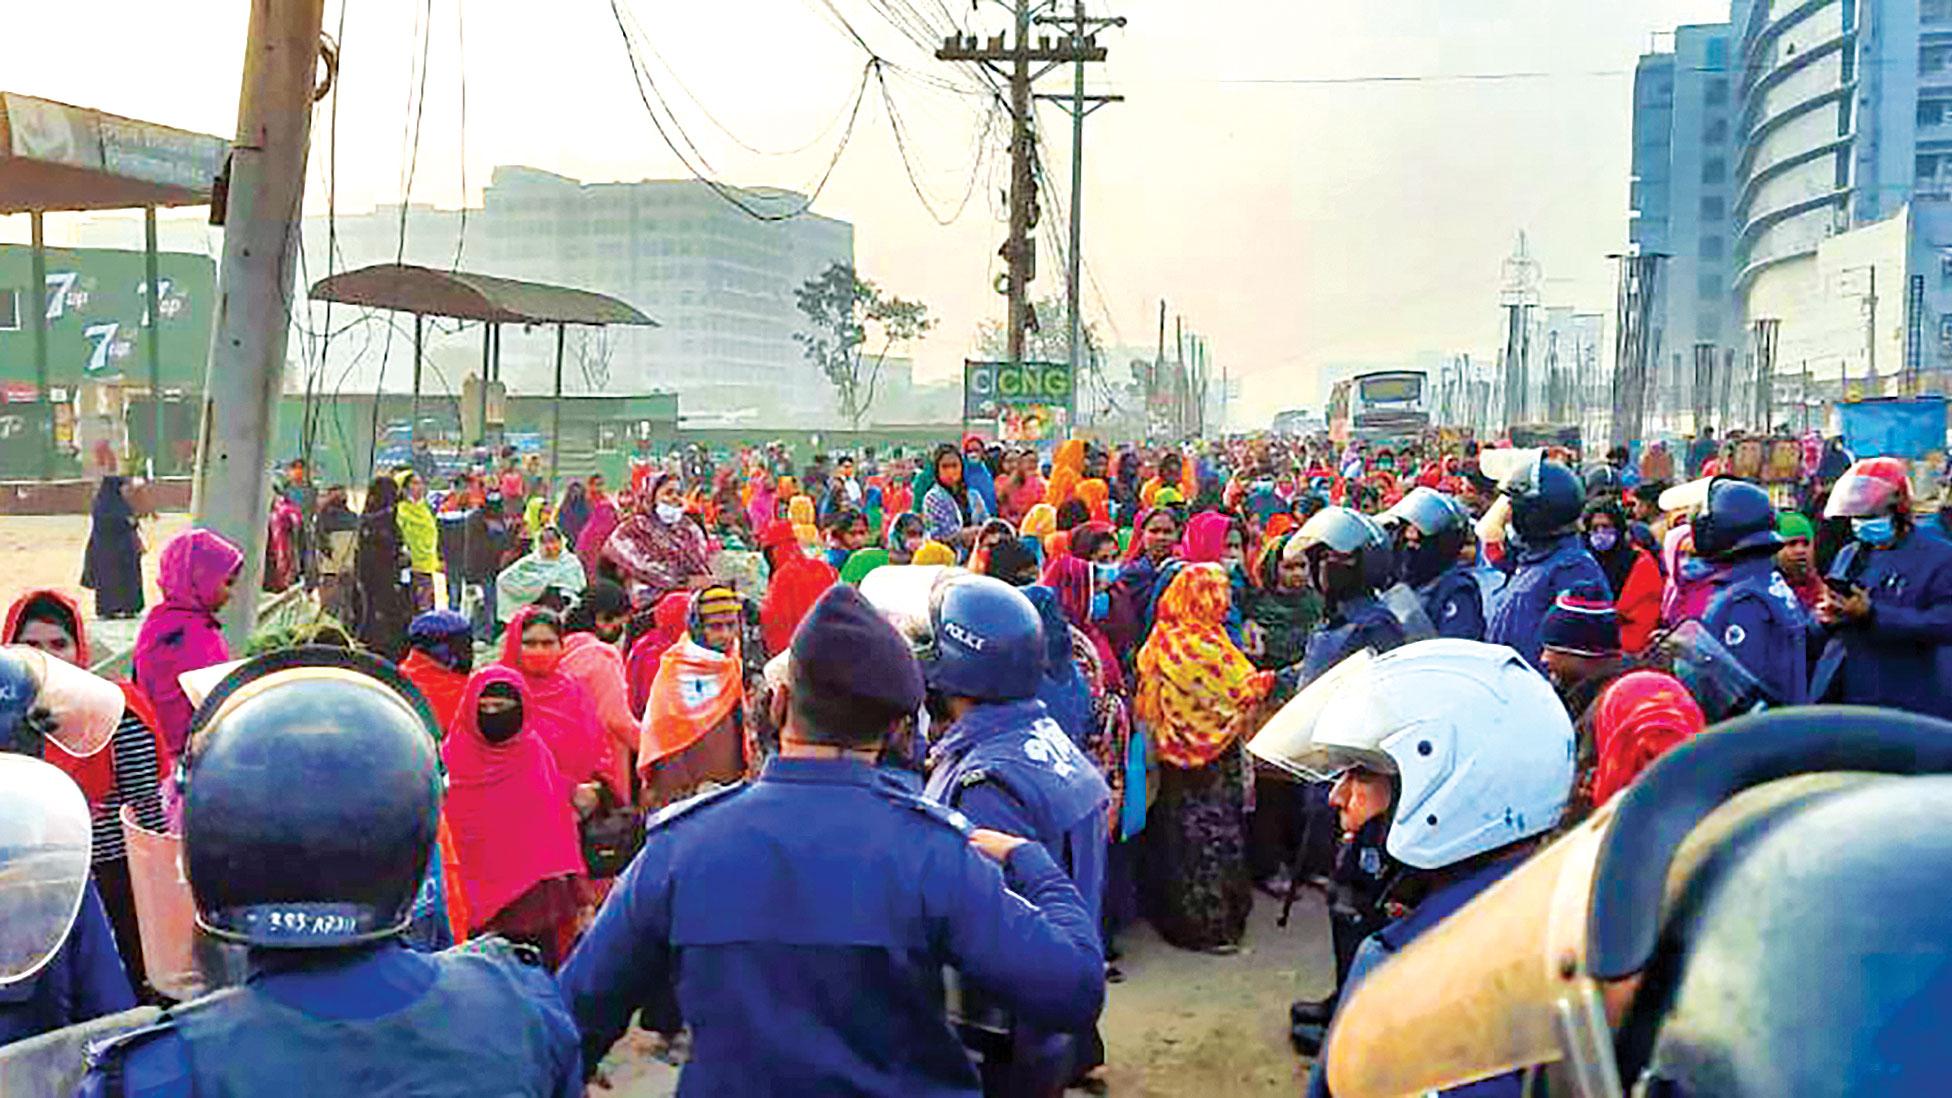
1385, 406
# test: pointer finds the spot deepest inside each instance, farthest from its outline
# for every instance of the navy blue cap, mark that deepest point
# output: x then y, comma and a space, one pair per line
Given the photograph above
1583, 623
844, 645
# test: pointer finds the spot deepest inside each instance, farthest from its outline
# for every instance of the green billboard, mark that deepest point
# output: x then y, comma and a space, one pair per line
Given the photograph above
96, 305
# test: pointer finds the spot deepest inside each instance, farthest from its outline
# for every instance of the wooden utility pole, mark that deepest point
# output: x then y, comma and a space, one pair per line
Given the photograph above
1084, 30
254, 286
1012, 60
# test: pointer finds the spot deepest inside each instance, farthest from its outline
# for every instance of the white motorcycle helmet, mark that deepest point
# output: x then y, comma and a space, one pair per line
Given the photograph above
1481, 747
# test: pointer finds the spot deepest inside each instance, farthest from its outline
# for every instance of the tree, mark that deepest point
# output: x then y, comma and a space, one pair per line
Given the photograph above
1048, 341
846, 312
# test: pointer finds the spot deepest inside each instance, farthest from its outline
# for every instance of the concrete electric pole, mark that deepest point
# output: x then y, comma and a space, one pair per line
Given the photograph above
1083, 29
1012, 60
254, 286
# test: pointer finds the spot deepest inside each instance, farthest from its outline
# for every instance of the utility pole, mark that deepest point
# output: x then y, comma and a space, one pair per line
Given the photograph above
1870, 332
254, 286
1083, 29
1012, 60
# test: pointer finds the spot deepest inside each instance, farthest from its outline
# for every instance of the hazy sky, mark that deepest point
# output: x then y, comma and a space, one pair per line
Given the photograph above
1293, 224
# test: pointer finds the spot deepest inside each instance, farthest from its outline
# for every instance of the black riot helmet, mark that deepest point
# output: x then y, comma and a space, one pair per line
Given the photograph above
312, 801
1443, 527
1603, 480
1348, 554
1738, 519
1547, 500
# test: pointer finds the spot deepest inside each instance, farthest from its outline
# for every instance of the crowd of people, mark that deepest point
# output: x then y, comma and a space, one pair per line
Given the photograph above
754, 748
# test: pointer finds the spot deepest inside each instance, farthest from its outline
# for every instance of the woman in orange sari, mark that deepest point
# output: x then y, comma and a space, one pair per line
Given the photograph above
1194, 688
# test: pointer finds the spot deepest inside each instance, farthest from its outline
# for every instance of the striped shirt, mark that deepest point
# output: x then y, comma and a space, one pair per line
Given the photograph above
138, 781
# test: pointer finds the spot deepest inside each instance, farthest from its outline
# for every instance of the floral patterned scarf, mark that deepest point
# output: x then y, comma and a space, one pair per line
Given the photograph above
1193, 682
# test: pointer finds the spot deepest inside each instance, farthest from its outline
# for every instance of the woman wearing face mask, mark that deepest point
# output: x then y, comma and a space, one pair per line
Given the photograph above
508, 807
659, 549
557, 708
1630, 571
593, 656
1888, 609
905, 536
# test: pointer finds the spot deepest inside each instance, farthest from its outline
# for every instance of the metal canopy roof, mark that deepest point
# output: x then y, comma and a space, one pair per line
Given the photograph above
465, 295
54, 156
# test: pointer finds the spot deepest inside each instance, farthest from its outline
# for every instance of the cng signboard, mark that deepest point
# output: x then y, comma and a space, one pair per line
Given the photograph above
1026, 402
991, 387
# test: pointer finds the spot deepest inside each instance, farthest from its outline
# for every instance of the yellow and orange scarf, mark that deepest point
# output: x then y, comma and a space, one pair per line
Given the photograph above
1193, 682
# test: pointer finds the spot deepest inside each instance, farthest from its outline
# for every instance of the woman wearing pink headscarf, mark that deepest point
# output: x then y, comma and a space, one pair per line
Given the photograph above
508, 809
603, 521
559, 710
195, 571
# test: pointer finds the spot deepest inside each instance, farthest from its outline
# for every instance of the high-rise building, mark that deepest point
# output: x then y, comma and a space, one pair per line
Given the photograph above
720, 283
1681, 194
1811, 185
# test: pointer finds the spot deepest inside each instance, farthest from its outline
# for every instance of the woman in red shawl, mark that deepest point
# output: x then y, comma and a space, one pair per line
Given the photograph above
558, 710
1637, 719
659, 549
509, 810
667, 625
796, 583
597, 529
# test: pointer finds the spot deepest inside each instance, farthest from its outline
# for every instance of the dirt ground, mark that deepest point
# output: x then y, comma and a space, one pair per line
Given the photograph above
1182, 1025
38, 551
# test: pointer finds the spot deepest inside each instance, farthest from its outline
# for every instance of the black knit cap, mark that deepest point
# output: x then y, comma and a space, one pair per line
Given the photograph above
844, 646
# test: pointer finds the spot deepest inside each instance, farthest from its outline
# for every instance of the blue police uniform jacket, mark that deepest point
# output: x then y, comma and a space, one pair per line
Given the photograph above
1010, 768
1351, 626
1537, 575
379, 1020
801, 924
84, 980
1380, 946
1455, 604
1902, 655
1764, 627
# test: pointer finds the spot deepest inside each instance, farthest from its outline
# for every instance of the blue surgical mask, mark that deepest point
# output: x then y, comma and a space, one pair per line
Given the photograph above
1101, 605
1104, 575
1694, 569
1603, 539
1882, 530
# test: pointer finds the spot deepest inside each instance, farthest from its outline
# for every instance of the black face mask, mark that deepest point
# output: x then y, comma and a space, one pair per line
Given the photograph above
1337, 577
499, 727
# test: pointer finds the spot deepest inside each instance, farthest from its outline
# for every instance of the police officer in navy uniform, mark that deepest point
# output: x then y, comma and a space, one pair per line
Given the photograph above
1889, 603
801, 923
1430, 530
1753, 612
1349, 561
58, 959
312, 799
58, 965
1005, 764
1546, 557
1349, 557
